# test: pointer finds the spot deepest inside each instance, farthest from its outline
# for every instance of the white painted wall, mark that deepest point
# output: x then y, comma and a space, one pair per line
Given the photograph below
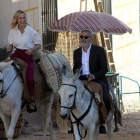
69, 6
5, 21
126, 47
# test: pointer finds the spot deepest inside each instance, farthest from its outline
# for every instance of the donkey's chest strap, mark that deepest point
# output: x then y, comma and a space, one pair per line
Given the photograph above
78, 120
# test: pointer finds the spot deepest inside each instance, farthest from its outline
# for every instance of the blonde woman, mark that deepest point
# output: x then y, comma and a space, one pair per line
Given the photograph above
26, 40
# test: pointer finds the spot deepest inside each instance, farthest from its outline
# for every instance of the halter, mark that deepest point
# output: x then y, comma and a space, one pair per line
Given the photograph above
73, 105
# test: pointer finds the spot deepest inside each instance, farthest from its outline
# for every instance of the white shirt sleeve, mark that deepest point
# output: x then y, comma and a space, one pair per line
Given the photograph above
10, 40
36, 38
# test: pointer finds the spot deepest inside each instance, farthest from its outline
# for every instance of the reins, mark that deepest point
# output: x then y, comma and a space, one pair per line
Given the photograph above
78, 120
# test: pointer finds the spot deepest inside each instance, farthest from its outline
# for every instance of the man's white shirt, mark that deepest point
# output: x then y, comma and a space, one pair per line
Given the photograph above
85, 61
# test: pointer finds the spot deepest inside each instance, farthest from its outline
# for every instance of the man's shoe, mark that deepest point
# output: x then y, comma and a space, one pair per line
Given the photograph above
102, 129
70, 131
31, 106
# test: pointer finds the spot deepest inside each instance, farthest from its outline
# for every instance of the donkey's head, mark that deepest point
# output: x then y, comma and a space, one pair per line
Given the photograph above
4, 65
67, 94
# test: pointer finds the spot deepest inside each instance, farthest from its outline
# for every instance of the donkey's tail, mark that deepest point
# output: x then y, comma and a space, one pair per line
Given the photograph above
117, 117
117, 112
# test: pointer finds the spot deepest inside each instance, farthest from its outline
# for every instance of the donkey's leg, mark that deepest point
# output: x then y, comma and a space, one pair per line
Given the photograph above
48, 106
52, 134
92, 129
76, 132
6, 121
110, 126
97, 135
44, 127
14, 118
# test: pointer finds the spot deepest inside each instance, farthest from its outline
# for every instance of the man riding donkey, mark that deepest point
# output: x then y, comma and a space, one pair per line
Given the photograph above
93, 63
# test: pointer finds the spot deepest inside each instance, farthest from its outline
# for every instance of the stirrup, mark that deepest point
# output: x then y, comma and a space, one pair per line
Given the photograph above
102, 129
29, 109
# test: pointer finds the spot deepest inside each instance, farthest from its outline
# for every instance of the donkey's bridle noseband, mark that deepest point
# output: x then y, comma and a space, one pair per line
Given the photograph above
73, 105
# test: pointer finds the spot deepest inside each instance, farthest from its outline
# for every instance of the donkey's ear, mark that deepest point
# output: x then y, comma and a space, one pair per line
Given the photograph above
77, 74
63, 72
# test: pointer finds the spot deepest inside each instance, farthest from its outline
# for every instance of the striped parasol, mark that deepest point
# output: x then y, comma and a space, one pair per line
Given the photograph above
94, 21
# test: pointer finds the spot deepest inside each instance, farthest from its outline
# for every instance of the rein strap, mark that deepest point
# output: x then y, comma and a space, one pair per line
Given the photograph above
78, 120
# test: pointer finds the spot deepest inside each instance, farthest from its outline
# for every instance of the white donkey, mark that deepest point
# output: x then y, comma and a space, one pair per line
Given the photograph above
77, 102
10, 102
11, 89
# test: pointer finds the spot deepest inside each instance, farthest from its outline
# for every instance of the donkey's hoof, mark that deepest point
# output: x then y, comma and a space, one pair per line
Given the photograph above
10, 135
102, 129
116, 129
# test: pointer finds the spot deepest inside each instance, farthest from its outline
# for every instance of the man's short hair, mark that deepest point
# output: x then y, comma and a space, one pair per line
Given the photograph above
86, 30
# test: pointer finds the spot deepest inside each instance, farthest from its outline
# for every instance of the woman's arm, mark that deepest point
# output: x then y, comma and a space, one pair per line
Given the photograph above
35, 48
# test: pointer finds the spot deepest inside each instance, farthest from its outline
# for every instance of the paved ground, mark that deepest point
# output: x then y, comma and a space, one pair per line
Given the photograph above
129, 131
117, 136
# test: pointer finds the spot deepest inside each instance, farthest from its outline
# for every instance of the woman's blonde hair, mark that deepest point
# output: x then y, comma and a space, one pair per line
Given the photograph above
15, 17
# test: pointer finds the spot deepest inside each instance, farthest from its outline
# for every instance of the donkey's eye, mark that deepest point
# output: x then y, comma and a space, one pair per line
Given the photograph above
70, 95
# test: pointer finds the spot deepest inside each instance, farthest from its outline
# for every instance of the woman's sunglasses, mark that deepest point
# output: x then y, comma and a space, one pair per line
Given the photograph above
86, 37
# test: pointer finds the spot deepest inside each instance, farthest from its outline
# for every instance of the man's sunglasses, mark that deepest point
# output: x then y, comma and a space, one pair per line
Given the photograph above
86, 37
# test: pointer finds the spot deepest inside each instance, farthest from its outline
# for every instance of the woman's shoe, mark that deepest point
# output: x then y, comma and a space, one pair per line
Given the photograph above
71, 130
31, 106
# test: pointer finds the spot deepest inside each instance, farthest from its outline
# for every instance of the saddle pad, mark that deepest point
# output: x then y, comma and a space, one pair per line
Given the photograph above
38, 83
51, 65
95, 87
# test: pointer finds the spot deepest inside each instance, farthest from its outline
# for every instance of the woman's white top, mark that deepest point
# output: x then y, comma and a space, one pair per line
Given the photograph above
26, 40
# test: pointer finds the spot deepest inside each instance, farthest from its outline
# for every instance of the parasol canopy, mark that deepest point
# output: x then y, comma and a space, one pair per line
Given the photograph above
91, 20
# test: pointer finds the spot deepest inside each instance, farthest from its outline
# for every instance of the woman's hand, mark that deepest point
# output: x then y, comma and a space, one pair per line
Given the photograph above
10, 47
29, 52
35, 48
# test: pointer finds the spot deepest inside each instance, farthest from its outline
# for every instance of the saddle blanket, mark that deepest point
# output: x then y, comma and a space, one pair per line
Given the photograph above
51, 65
95, 87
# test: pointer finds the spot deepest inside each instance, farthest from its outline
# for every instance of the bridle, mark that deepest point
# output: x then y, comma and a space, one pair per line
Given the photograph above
2, 81
73, 105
